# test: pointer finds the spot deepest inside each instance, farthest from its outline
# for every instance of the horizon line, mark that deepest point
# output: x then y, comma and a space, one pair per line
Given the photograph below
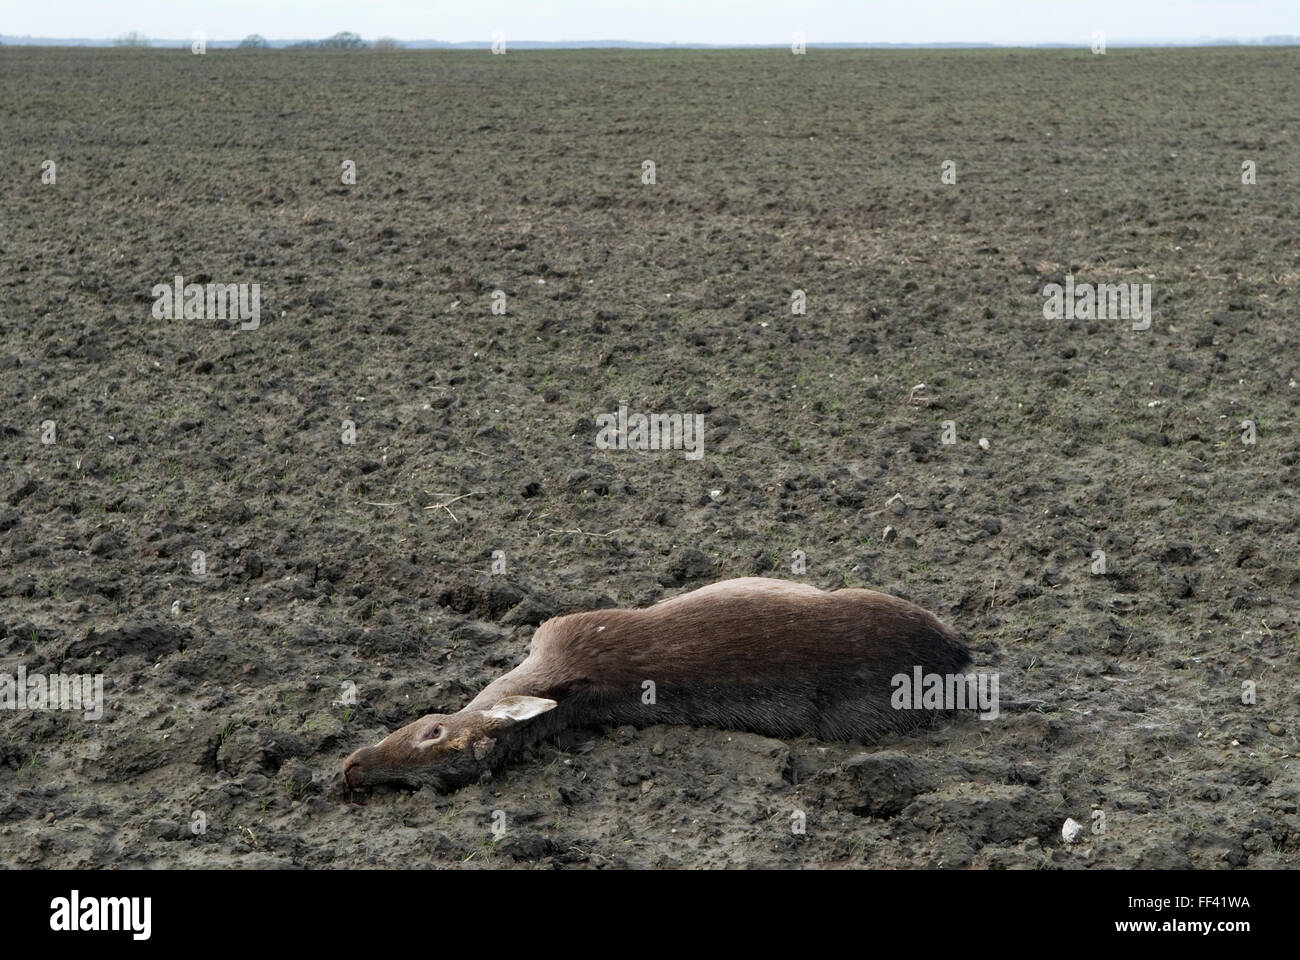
432, 43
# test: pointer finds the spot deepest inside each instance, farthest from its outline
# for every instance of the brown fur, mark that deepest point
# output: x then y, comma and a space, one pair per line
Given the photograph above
770, 656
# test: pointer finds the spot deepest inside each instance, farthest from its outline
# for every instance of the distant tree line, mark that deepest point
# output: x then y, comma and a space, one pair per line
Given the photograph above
255, 41
340, 41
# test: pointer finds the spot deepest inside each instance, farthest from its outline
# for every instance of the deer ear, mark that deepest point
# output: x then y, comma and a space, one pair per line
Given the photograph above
514, 710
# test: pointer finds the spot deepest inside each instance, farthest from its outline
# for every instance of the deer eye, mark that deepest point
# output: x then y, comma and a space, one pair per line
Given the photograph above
435, 732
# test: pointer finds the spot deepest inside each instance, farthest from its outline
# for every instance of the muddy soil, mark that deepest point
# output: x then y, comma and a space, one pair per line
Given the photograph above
347, 587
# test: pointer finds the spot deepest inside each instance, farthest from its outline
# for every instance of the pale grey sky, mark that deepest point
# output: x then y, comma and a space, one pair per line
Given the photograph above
706, 21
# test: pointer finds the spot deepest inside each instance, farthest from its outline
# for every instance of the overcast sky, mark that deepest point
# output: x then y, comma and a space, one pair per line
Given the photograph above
705, 21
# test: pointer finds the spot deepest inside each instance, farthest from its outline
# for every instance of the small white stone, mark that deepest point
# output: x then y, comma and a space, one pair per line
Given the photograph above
1071, 831
984, 443
715, 494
